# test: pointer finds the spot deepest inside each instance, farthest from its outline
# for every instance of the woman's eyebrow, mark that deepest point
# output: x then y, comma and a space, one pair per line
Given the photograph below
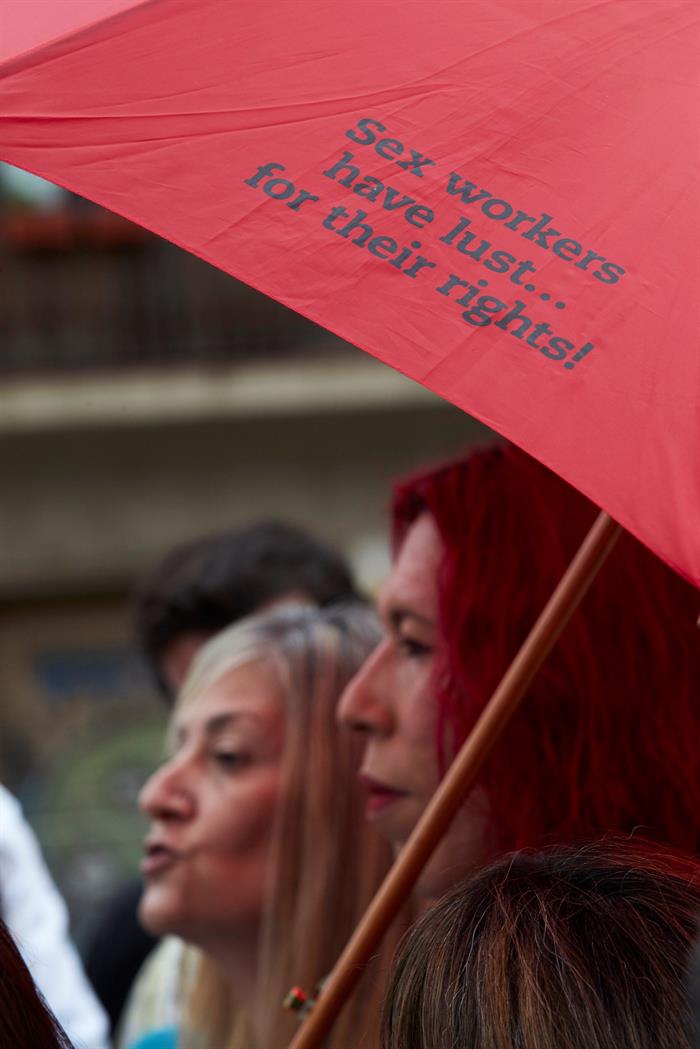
212, 726
219, 722
397, 615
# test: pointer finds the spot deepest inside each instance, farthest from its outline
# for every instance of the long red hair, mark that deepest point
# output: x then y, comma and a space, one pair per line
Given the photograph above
608, 737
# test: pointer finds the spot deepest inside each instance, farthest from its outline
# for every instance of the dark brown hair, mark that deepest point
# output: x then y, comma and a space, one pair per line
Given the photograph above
25, 1019
205, 585
576, 948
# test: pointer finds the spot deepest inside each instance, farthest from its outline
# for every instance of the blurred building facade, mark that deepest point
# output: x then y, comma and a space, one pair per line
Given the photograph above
146, 398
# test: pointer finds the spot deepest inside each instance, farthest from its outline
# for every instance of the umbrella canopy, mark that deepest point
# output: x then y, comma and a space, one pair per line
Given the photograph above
37, 23
499, 200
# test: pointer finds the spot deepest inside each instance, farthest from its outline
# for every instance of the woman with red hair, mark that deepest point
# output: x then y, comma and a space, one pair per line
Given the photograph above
608, 735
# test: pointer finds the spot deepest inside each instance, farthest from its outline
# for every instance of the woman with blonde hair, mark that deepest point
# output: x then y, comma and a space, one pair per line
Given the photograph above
258, 853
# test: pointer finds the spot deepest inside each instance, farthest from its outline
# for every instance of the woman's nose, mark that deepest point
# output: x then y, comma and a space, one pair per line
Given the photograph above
166, 794
367, 703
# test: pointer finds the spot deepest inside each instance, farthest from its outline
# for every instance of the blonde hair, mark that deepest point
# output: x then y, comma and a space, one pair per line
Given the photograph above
325, 861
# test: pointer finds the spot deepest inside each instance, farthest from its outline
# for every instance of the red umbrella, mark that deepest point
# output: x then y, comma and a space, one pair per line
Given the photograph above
500, 200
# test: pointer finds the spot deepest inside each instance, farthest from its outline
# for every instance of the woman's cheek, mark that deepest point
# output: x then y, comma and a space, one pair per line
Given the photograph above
249, 814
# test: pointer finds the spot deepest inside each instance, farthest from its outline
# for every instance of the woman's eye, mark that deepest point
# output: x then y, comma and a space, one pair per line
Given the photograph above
413, 648
230, 759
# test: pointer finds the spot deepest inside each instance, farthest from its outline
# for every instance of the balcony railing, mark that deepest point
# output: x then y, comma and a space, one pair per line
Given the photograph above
83, 290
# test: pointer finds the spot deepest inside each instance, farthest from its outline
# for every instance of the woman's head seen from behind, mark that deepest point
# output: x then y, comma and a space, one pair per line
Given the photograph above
584, 948
480, 545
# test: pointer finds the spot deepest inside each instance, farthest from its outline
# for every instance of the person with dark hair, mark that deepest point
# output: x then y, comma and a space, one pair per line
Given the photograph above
573, 948
198, 589
204, 585
25, 1020
607, 736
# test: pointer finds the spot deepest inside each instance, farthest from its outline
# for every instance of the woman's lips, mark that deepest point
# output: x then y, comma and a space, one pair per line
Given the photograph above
157, 858
380, 795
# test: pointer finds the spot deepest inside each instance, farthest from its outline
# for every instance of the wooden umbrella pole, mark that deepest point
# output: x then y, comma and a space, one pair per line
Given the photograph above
456, 785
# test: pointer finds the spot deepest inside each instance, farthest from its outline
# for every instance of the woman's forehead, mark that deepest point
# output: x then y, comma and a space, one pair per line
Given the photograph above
250, 692
412, 582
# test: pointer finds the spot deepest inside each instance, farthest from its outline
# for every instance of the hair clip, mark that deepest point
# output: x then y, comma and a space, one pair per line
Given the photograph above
299, 1002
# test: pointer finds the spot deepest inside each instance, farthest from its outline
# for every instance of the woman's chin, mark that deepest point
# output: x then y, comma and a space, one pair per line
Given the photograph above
159, 916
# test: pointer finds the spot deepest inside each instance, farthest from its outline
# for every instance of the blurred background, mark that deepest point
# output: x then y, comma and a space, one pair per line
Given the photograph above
145, 399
